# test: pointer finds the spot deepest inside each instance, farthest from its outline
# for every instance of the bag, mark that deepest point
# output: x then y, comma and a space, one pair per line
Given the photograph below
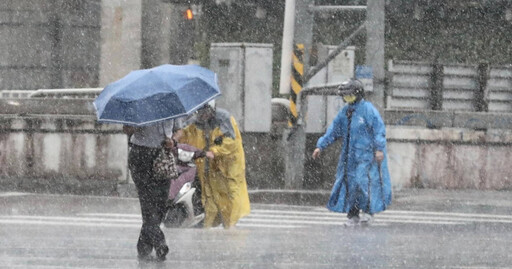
164, 165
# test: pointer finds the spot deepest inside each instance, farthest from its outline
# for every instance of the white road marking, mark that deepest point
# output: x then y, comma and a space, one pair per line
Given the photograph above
242, 224
387, 217
70, 219
270, 218
447, 214
10, 194
67, 223
342, 221
110, 215
412, 214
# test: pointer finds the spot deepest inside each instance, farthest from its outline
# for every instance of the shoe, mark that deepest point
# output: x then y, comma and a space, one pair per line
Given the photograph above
354, 221
144, 257
366, 219
161, 252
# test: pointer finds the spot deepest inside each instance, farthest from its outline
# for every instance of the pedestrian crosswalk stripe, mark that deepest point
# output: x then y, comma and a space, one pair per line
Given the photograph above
296, 217
242, 224
447, 214
389, 217
10, 194
341, 221
341, 218
110, 215
415, 214
70, 219
329, 214
67, 223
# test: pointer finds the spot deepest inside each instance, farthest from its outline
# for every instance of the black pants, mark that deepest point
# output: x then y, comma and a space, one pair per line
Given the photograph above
354, 210
153, 194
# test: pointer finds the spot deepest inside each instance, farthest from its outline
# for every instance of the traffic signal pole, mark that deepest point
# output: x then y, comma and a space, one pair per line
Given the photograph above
375, 22
287, 46
294, 138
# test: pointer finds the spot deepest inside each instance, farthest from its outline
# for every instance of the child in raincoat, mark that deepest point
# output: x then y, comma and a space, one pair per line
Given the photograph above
362, 177
222, 173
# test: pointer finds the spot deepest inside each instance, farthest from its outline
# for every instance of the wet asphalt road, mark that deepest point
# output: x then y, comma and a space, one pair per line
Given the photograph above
55, 231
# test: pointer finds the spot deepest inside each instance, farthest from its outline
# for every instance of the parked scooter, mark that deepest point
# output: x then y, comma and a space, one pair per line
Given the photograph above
184, 207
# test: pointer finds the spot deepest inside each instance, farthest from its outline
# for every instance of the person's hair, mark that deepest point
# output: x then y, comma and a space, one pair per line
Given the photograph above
207, 108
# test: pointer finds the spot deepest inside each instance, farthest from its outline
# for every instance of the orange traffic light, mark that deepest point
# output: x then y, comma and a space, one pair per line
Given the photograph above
188, 14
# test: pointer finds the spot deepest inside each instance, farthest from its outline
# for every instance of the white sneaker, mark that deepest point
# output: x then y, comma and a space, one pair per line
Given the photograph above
354, 221
366, 219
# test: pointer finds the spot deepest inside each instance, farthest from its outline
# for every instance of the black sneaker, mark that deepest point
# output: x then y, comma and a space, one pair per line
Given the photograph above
161, 252
144, 257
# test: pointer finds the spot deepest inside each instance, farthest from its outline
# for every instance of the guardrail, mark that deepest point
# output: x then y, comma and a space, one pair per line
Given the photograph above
81, 93
43, 106
429, 118
15, 93
448, 119
83, 107
449, 87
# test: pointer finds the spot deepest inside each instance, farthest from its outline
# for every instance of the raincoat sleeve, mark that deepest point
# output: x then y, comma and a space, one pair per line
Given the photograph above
189, 135
379, 130
229, 145
334, 132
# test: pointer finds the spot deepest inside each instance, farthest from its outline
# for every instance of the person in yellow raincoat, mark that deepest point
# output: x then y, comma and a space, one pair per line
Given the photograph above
222, 173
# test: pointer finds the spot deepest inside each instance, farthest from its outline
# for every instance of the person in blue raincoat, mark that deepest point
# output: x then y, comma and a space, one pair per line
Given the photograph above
362, 177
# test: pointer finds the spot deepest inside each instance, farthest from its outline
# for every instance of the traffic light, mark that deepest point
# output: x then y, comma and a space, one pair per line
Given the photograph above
188, 14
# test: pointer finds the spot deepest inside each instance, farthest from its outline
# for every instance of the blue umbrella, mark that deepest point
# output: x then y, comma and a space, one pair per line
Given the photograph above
150, 95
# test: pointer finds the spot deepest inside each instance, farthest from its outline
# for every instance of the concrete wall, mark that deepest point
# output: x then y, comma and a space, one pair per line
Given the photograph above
52, 148
49, 44
79, 44
451, 158
121, 42
58, 148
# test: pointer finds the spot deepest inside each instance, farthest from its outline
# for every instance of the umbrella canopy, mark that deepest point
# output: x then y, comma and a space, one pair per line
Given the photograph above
150, 95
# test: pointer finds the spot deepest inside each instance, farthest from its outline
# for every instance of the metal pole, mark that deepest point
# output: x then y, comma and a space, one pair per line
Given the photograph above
375, 50
56, 35
481, 95
286, 53
294, 139
334, 53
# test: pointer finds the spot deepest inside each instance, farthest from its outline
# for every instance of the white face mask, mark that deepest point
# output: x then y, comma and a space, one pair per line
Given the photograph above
350, 99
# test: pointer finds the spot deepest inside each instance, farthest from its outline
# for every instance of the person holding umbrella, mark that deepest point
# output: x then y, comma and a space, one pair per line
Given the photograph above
147, 102
222, 173
362, 177
145, 144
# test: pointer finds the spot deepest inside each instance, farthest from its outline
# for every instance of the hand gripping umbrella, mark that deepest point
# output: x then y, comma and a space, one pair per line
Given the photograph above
150, 95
